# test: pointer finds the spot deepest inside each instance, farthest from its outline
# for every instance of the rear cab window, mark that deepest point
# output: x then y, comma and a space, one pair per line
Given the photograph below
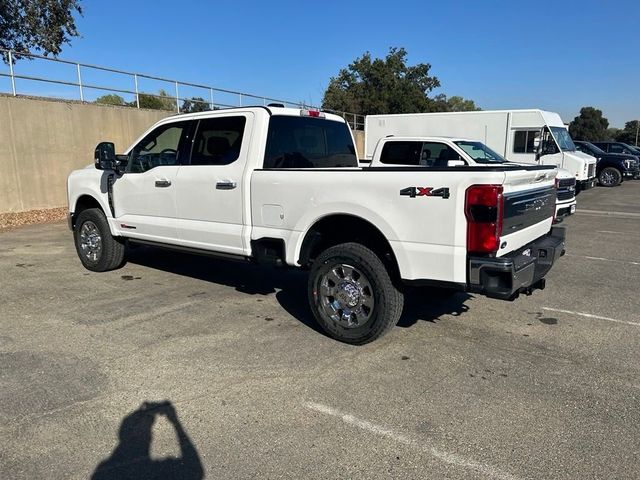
304, 142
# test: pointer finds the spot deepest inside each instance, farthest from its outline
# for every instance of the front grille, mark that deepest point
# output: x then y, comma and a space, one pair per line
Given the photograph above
566, 194
592, 170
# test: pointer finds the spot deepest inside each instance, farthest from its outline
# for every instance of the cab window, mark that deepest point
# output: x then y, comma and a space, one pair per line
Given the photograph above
218, 141
158, 148
425, 154
524, 141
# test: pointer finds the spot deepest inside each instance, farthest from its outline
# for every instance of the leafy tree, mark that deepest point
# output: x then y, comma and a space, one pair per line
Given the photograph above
194, 104
159, 101
111, 99
612, 133
629, 134
440, 103
41, 25
590, 125
374, 86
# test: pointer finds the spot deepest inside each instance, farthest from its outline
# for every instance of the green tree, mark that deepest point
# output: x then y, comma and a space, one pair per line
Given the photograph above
159, 101
373, 86
41, 25
630, 133
589, 126
111, 99
612, 133
442, 103
194, 104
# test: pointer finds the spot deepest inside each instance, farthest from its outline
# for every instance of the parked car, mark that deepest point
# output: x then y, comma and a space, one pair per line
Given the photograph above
282, 186
618, 147
441, 152
525, 136
612, 168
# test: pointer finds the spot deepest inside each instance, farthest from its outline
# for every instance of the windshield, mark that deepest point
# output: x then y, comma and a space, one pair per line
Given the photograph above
480, 152
594, 149
563, 139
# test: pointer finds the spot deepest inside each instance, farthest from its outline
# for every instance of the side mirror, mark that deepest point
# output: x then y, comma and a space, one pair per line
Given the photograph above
455, 163
105, 156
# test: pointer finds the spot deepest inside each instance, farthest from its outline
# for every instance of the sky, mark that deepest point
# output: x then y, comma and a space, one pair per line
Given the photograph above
558, 56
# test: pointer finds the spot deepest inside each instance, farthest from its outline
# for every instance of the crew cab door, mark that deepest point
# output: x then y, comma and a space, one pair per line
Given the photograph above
144, 196
209, 193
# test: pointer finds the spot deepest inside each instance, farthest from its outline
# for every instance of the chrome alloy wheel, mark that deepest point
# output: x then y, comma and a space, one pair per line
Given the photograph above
346, 296
90, 241
608, 178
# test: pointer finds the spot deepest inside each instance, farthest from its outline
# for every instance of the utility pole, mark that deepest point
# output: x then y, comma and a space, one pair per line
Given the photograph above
637, 130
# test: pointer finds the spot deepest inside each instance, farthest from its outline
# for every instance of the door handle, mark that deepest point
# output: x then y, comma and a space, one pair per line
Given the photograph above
163, 183
226, 185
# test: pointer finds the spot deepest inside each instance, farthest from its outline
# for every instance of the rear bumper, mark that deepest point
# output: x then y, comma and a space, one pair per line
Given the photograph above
519, 272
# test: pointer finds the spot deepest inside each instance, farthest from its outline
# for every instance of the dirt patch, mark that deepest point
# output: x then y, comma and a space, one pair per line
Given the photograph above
16, 219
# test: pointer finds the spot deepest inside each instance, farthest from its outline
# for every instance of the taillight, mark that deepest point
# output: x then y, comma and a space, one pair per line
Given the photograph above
483, 208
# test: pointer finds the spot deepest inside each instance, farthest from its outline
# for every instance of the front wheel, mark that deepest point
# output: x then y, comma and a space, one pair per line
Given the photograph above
98, 250
610, 177
352, 295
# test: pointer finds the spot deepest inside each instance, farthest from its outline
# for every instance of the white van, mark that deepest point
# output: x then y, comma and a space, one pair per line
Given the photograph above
523, 136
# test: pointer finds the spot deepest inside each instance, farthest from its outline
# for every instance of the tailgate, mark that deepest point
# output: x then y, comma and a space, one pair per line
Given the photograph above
529, 207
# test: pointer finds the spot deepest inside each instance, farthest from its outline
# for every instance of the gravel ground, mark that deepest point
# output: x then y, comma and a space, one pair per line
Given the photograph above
17, 219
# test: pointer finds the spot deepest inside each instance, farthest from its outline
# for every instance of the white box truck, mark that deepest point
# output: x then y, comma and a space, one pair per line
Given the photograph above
523, 136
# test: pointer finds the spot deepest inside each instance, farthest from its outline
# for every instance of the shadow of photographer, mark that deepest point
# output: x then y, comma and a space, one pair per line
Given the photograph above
131, 458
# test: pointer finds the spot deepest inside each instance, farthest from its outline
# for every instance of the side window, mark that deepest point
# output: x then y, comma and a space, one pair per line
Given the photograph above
401, 153
524, 141
218, 141
427, 154
613, 148
304, 142
436, 154
160, 147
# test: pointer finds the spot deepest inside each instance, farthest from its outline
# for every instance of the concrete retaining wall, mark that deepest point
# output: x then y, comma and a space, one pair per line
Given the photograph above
42, 140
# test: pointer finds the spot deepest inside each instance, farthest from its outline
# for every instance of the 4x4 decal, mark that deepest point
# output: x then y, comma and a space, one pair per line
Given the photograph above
414, 192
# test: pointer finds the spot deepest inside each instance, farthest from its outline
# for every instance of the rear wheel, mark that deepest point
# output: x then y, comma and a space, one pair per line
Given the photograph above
98, 250
610, 177
352, 295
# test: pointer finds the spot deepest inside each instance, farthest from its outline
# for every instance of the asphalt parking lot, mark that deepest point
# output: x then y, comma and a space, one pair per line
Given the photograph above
547, 386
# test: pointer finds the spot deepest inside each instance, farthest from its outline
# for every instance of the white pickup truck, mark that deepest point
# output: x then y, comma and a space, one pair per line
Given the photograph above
283, 186
452, 152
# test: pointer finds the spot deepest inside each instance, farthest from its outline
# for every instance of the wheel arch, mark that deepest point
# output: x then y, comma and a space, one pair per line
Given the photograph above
337, 228
82, 203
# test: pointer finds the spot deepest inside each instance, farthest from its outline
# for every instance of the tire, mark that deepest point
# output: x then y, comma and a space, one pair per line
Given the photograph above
610, 177
97, 249
352, 295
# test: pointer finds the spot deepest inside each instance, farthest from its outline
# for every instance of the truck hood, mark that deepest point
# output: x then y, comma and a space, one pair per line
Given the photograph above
581, 155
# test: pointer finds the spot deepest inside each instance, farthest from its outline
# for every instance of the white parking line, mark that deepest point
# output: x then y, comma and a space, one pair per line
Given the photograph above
589, 315
447, 457
606, 213
603, 259
618, 233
